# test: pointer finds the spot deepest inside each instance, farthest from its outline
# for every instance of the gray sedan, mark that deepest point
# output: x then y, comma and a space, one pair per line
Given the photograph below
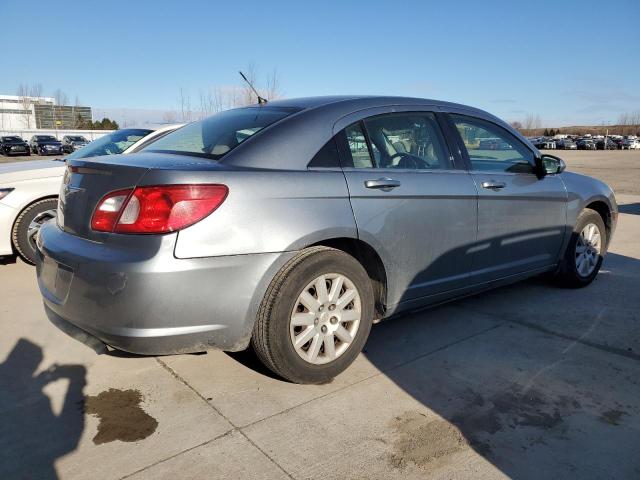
294, 225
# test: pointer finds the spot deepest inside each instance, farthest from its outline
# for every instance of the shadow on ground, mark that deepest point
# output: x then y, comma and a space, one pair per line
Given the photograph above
630, 208
542, 382
33, 435
543, 394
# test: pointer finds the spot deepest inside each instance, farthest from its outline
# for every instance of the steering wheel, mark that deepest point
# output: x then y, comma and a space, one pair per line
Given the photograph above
408, 160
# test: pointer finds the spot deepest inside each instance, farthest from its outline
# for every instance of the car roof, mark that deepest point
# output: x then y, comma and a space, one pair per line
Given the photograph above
293, 141
355, 101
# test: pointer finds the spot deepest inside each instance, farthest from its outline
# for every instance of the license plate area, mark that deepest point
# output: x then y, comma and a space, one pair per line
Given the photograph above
56, 278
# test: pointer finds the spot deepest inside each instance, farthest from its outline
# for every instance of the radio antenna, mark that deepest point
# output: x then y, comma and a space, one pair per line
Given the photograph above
261, 100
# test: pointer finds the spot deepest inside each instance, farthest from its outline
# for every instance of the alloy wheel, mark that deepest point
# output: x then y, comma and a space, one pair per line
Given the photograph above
325, 318
588, 249
36, 223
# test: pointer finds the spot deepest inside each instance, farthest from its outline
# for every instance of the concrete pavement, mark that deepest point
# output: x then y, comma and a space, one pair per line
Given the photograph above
527, 381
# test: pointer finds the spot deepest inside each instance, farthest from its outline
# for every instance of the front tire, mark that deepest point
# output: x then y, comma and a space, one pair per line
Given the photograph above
315, 317
585, 251
28, 224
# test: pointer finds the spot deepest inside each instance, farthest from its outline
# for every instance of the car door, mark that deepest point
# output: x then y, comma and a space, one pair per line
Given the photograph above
410, 202
521, 217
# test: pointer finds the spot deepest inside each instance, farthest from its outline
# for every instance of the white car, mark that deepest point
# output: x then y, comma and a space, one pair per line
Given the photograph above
29, 190
631, 144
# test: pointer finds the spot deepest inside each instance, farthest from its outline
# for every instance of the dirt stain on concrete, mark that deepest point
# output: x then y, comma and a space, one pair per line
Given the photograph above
510, 408
421, 440
475, 420
121, 416
612, 416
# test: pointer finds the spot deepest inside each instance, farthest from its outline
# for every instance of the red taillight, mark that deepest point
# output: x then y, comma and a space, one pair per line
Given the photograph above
156, 209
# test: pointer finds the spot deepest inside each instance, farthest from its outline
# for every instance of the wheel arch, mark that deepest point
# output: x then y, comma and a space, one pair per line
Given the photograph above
603, 209
370, 260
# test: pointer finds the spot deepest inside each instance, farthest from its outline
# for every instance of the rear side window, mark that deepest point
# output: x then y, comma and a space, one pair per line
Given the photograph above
216, 136
327, 156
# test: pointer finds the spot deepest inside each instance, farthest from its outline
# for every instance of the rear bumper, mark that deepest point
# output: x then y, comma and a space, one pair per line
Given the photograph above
133, 294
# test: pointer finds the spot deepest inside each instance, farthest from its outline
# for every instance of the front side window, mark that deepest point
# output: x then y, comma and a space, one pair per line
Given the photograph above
407, 141
216, 136
492, 148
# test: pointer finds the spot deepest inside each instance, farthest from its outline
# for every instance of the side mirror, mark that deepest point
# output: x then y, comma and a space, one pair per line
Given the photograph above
550, 164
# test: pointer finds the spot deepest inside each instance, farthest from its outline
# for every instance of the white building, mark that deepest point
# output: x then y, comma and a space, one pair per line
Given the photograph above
18, 113
26, 113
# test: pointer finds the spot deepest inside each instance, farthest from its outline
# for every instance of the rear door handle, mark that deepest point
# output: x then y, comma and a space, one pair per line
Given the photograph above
493, 185
382, 183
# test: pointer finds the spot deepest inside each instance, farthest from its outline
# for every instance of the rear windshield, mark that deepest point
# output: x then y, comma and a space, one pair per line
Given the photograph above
215, 136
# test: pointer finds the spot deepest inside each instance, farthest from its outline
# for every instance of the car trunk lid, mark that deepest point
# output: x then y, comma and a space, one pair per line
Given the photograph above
87, 181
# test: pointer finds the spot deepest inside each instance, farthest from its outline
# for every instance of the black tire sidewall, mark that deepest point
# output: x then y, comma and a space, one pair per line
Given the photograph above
290, 364
21, 227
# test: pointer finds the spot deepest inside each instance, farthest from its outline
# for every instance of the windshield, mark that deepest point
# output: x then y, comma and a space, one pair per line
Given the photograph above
46, 138
11, 139
77, 139
216, 136
111, 144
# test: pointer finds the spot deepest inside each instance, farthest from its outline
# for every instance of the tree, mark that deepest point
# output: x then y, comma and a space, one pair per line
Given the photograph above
60, 97
517, 125
81, 124
532, 122
25, 104
546, 132
170, 116
36, 91
219, 98
185, 105
76, 104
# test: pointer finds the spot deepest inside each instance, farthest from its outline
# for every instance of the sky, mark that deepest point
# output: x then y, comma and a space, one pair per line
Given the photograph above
570, 62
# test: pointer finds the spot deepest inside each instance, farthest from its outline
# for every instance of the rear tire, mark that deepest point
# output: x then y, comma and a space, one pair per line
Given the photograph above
27, 225
334, 326
585, 251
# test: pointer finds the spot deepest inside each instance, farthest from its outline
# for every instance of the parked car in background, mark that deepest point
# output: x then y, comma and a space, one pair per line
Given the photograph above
631, 144
13, 145
71, 143
45, 145
494, 144
586, 144
295, 224
606, 144
619, 141
544, 143
566, 144
29, 190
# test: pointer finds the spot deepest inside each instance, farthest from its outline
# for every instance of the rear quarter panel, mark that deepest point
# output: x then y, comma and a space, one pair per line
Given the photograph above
265, 211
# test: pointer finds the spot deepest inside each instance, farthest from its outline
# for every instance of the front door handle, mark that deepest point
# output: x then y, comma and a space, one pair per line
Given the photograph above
385, 183
493, 185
